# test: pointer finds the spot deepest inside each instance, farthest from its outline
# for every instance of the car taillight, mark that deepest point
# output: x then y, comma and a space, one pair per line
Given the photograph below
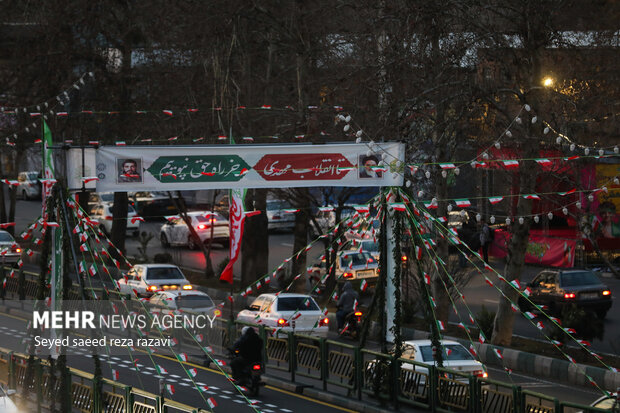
481, 373
358, 314
202, 226
606, 292
16, 249
152, 288
282, 322
324, 321
187, 287
348, 275
256, 367
569, 295
403, 258
107, 217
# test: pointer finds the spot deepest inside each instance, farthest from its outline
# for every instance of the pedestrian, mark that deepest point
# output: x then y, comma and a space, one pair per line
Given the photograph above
485, 239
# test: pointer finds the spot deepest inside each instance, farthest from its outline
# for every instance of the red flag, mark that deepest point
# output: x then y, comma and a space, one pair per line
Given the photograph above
236, 220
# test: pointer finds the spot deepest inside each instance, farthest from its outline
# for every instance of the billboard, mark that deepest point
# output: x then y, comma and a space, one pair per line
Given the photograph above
171, 168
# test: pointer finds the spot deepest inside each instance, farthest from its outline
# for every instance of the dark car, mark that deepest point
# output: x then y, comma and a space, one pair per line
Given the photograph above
153, 205
558, 289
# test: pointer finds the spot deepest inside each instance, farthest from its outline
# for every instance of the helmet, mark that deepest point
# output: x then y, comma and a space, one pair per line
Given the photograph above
245, 330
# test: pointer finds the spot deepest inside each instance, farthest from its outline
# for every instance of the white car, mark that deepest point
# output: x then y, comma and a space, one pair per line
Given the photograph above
277, 217
104, 214
350, 266
6, 404
176, 233
146, 279
186, 300
10, 252
29, 185
455, 357
288, 312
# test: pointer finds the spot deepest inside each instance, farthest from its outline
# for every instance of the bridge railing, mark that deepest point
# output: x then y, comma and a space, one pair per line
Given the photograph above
362, 373
39, 387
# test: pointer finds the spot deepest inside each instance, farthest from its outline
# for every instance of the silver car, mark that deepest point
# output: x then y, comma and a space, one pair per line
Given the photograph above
29, 185
277, 217
176, 233
10, 251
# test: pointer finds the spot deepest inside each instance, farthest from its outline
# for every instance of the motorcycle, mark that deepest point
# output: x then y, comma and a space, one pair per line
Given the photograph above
250, 375
352, 323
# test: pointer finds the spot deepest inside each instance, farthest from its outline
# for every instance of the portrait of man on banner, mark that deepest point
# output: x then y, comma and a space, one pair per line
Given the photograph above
606, 223
129, 170
367, 167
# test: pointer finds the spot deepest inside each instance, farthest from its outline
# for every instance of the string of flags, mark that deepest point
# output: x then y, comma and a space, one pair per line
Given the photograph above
181, 357
175, 111
514, 284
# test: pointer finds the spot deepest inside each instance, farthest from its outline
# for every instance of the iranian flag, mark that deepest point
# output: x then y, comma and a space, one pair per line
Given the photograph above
511, 164
193, 372
531, 196
211, 402
544, 161
48, 168
170, 388
462, 203
571, 191
495, 200
236, 219
447, 166
398, 206
363, 285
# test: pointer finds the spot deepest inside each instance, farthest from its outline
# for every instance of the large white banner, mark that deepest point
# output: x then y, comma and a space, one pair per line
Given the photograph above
169, 168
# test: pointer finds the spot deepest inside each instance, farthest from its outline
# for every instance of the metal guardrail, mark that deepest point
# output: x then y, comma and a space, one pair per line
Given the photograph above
34, 380
336, 366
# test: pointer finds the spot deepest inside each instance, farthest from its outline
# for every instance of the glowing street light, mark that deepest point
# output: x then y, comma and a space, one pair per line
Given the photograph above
548, 81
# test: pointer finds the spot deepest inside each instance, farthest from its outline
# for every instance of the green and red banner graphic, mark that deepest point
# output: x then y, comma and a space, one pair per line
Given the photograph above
169, 168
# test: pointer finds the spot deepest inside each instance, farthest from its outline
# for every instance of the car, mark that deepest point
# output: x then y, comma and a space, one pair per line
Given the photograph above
29, 185
286, 312
368, 245
186, 300
610, 403
350, 266
6, 404
146, 279
455, 357
152, 205
277, 217
176, 233
557, 289
104, 213
100, 198
10, 251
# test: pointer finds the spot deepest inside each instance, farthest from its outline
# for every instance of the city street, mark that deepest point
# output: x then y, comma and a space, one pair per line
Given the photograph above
477, 293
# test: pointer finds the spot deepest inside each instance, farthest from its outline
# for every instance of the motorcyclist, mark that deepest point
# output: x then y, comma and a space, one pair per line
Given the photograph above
247, 350
346, 302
